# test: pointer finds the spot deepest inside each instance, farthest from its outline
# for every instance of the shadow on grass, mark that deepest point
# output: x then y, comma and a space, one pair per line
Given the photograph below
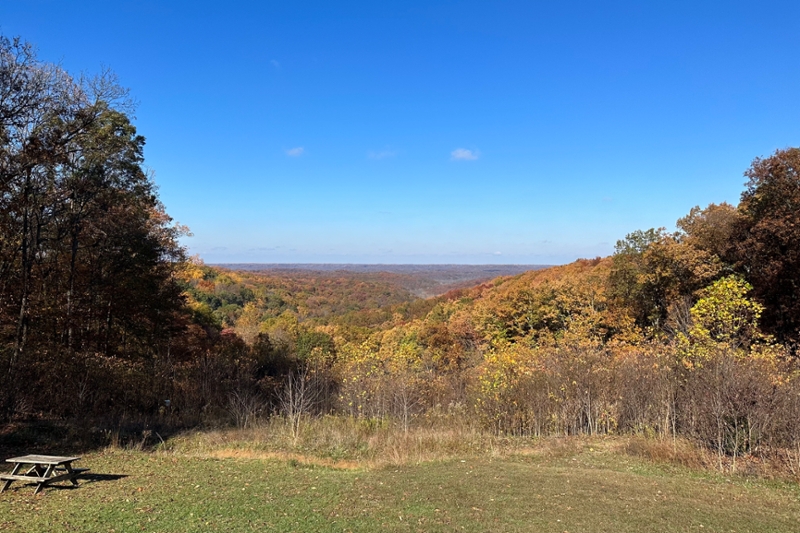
86, 478
94, 478
60, 437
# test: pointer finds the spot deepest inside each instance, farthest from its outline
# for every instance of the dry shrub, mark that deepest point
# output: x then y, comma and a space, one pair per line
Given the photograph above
646, 392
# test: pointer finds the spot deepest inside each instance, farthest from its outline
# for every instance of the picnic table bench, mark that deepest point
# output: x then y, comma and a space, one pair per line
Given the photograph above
44, 470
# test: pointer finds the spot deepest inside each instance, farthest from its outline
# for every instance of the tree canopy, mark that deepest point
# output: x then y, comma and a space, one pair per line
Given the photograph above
88, 253
766, 247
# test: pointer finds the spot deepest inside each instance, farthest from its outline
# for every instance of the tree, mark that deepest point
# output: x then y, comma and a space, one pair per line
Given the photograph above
767, 244
724, 320
41, 109
656, 275
710, 229
87, 253
628, 267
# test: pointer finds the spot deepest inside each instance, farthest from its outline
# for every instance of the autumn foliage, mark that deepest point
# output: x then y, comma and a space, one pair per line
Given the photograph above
688, 333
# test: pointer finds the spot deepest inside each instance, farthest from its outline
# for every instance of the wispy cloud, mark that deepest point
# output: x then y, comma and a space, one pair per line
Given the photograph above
462, 154
274, 63
383, 154
295, 152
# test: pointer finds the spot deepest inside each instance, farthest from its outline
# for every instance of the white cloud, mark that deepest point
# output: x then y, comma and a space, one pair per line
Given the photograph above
462, 154
383, 154
295, 152
274, 63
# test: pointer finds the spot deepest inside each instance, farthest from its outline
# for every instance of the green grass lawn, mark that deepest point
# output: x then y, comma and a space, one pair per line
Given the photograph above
584, 491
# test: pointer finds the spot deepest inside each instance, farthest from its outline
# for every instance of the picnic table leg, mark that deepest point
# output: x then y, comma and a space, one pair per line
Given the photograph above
41, 485
13, 473
73, 474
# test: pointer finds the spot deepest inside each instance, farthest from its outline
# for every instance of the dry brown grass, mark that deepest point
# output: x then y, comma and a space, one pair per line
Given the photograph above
286, 456
673, 451
344, 442
349, 443
771, 464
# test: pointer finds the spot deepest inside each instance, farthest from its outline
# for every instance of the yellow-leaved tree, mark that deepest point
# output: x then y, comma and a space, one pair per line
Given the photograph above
724, 321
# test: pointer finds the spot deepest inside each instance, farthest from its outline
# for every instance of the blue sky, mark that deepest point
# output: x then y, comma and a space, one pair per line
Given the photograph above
431, 131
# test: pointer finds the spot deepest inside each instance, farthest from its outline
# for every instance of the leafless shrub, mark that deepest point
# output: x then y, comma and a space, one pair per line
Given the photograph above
245, 407
299, 397
731, 404
406, 399
645, 386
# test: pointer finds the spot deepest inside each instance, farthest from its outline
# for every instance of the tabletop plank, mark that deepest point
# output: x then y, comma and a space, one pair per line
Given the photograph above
42, 459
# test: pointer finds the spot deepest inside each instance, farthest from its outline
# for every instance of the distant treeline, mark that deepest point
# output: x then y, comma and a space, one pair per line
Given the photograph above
420, 280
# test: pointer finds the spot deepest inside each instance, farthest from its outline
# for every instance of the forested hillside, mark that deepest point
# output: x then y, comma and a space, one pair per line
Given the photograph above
103, 318
685, 333
231, 298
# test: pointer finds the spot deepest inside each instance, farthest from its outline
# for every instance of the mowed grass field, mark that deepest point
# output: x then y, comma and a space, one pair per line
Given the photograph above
586, 489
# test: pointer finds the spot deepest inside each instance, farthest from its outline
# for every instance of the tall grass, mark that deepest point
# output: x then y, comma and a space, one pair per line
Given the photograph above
348, 442
341, 440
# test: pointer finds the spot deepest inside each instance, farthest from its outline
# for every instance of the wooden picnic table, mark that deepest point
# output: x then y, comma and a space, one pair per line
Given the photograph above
44, 470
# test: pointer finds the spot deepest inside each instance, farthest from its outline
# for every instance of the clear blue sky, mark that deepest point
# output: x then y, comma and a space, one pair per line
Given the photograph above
432, 131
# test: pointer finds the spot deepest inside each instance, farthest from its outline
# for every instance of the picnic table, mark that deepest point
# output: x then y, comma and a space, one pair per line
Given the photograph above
44, 470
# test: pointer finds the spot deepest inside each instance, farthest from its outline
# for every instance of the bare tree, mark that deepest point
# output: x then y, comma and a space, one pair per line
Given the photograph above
299, 397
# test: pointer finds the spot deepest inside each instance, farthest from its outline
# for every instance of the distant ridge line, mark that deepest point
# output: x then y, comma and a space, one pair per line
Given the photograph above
393, 268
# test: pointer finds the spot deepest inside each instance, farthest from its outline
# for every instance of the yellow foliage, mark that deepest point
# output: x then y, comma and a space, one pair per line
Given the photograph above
724, 322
